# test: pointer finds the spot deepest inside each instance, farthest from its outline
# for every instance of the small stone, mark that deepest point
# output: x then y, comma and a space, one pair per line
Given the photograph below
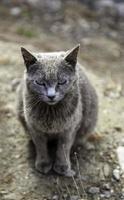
106, 191
101, 174
106, 194
122, 196
65, 195
11, 196
113, 90
84, 178
120, 154
118, 128
74, 197
55, 197
89, 146
116, 174
106, 170
106, 186
16, 11
94, 190
3, 192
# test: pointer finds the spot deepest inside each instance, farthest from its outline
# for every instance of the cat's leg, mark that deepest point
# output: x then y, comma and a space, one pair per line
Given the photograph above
62, 164
43, 162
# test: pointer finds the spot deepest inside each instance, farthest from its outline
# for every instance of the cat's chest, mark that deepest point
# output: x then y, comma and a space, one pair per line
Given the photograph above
54, 123
49, 124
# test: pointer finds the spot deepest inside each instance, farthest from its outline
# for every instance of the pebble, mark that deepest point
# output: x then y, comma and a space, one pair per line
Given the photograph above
106, 170
118, 128
84, 178
106, 194
65, 196
120, 154
12, 196
116, 174
94, 190
101, 174
89, 146
74, 197
16, 11
106, 191
55, 197
106, 186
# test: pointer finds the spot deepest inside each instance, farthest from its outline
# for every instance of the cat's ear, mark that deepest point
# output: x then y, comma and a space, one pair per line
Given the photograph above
29, 59
71, 56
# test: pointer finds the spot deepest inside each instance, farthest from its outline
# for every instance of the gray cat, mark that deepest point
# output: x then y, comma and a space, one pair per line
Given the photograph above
56, 101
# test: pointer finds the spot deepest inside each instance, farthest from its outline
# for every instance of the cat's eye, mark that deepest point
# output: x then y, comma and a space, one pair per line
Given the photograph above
40, 83
62, 82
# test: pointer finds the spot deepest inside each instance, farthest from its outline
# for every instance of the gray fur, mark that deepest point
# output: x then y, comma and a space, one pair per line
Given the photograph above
71, 118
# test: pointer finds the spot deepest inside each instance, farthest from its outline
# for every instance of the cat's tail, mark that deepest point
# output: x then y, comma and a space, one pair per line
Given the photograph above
15, 83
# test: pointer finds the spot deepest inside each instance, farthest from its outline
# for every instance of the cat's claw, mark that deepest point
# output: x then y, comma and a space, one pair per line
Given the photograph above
43, 167
64, 170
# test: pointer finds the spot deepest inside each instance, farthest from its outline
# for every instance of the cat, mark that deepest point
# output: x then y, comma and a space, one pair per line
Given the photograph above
56, 101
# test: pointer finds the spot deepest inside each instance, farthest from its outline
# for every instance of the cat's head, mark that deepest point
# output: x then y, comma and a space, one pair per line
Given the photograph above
50, 75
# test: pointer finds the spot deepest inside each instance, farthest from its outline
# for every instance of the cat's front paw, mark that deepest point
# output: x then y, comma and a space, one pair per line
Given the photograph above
43, 166
64, 170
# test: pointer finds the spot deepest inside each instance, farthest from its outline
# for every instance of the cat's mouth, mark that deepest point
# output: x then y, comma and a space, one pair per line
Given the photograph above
51, 102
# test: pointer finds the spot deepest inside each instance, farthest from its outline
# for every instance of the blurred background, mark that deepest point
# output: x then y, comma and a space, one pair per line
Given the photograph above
55, 25
98, 25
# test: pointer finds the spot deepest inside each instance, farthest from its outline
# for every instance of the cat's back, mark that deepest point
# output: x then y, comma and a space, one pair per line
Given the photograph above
89, 101
84, 81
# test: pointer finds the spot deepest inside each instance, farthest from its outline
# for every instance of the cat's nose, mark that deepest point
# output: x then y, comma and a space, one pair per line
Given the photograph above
51, 97
51, 93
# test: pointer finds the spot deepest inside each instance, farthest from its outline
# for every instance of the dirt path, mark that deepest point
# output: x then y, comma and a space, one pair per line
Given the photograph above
97, 162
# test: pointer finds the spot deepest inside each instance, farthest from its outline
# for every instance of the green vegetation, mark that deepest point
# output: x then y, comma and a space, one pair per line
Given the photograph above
26, 31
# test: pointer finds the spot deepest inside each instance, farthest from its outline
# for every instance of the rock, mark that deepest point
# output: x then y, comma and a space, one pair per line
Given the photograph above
106, 191
12, 196
118, 128
51, 6
55, 197
105, 6
94, 190
89, 146
106, 194
65, 196
113, 90
122, 193
101, 174
84, 178
120, 9
120, 154
74, 197
106, 170
106, 186
16, 11
116, 174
